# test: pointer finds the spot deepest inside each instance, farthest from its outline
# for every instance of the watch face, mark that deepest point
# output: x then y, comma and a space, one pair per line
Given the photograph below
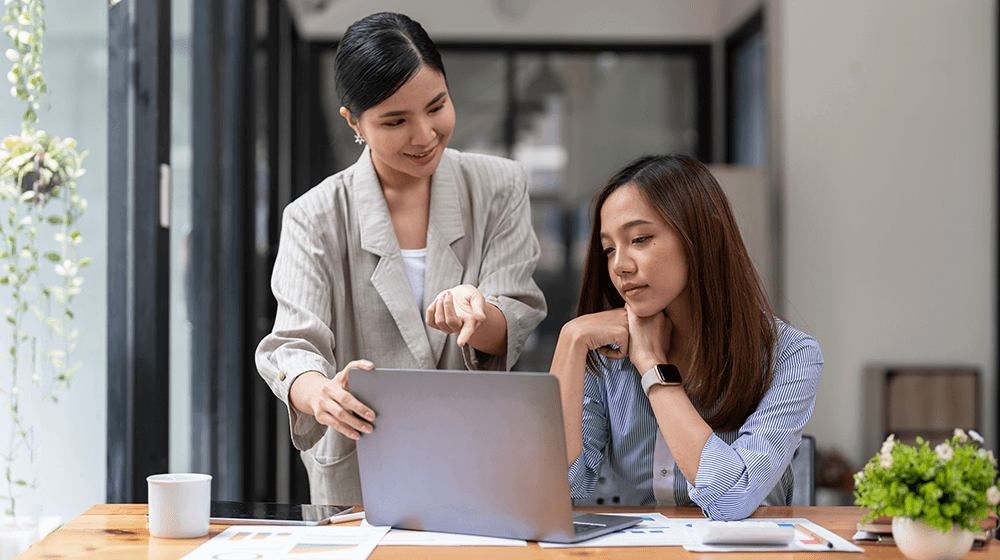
668, 374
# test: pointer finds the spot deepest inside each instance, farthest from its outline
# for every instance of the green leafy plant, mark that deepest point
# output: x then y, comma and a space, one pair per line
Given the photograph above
950, 485
39, 241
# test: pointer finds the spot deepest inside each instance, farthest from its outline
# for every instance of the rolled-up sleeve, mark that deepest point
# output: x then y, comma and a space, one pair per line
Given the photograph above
583, 473
301, 339
733, 479
509, 258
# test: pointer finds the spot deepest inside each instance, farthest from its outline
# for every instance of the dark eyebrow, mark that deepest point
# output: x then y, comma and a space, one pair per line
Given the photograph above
630, 225
633, 223
437, 98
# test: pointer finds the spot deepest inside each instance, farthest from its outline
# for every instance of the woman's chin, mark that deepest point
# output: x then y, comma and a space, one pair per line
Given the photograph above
645, 311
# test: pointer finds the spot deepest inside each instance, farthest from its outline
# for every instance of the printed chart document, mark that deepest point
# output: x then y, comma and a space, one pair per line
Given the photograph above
800, 543
402, 537
659, 530
266, 542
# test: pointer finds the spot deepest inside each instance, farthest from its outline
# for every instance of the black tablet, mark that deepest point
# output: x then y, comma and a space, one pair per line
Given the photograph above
252, 513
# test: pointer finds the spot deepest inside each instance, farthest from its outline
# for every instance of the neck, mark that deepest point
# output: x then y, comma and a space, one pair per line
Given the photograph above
679, 312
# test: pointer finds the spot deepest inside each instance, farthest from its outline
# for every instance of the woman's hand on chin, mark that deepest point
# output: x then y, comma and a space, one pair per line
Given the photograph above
604, 331
649, 339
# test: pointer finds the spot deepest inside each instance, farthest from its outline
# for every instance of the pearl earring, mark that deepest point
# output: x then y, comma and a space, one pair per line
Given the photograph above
358, 139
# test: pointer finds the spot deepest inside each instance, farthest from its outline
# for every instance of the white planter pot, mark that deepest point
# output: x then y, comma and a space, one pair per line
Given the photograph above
919, 541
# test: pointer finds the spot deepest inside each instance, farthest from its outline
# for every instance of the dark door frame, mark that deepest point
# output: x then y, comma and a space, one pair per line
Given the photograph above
138, 246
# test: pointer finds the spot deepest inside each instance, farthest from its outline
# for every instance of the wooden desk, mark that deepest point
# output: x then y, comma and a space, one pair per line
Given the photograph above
120, 532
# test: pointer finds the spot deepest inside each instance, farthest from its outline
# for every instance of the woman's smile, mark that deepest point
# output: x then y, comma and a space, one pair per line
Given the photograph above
422, 155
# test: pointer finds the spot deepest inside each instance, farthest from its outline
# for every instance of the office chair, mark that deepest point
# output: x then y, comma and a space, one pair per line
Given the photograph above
804, 471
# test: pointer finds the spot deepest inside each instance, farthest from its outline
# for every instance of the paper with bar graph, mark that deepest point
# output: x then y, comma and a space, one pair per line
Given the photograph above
266, 542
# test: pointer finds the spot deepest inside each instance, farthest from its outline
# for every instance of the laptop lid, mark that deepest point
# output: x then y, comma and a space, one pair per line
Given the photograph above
468, 452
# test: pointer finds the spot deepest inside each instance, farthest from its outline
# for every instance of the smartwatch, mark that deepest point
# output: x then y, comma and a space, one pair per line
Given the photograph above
661, 374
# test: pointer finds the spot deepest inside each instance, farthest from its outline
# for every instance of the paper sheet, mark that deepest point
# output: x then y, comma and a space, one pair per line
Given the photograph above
401, 537
801, 542
266, 542
658, 530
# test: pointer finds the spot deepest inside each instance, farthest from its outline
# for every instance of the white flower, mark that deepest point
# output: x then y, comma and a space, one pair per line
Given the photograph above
66, 268
886, 461
960, 435
975, 435
944, 451
888, 444
993, 495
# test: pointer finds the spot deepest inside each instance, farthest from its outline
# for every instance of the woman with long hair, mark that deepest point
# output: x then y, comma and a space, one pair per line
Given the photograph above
416, 256
676, 364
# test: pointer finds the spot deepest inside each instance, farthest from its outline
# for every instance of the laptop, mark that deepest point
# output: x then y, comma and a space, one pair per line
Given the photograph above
481, 453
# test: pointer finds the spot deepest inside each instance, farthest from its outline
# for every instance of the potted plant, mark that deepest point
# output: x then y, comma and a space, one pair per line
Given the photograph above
39, 272
936, 497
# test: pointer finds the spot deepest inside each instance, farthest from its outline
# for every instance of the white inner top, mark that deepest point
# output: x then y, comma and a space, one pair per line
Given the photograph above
416, 263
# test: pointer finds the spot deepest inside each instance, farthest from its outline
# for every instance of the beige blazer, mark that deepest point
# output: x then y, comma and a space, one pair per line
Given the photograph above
343, 292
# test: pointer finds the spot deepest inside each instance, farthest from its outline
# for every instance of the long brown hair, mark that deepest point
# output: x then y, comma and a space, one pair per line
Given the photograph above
733, 324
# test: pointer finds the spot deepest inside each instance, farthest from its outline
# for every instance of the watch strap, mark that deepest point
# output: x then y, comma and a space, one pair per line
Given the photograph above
650, 378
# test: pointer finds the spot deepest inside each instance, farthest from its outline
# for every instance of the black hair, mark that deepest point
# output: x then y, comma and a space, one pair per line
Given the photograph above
377, 55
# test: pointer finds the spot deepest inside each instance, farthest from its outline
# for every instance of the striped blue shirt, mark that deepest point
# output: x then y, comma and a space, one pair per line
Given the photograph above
738, 470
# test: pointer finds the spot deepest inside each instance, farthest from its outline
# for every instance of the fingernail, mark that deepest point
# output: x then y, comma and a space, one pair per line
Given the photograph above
354, 436
369, 417
366, 430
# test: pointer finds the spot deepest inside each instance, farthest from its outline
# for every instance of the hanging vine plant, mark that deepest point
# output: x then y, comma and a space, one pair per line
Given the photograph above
39, 241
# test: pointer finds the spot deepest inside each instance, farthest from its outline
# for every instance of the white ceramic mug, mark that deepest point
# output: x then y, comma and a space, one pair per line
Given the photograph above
179, 505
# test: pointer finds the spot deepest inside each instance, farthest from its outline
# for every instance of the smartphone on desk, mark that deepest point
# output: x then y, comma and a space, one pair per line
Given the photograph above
266, 513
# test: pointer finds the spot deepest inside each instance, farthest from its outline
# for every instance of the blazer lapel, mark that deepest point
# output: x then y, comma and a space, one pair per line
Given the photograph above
389, 278
445, 226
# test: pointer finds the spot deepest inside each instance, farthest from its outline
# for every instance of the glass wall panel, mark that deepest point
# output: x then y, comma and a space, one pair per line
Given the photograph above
70, 442
180, 232
579, 117
477, 84
749, 102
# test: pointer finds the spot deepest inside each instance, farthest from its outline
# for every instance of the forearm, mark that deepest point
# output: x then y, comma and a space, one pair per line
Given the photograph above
302, 390
683, 428
569, 364
491, 336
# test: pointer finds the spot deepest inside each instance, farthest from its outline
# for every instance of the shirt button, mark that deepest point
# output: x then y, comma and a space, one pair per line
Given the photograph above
663, 472
281, 376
